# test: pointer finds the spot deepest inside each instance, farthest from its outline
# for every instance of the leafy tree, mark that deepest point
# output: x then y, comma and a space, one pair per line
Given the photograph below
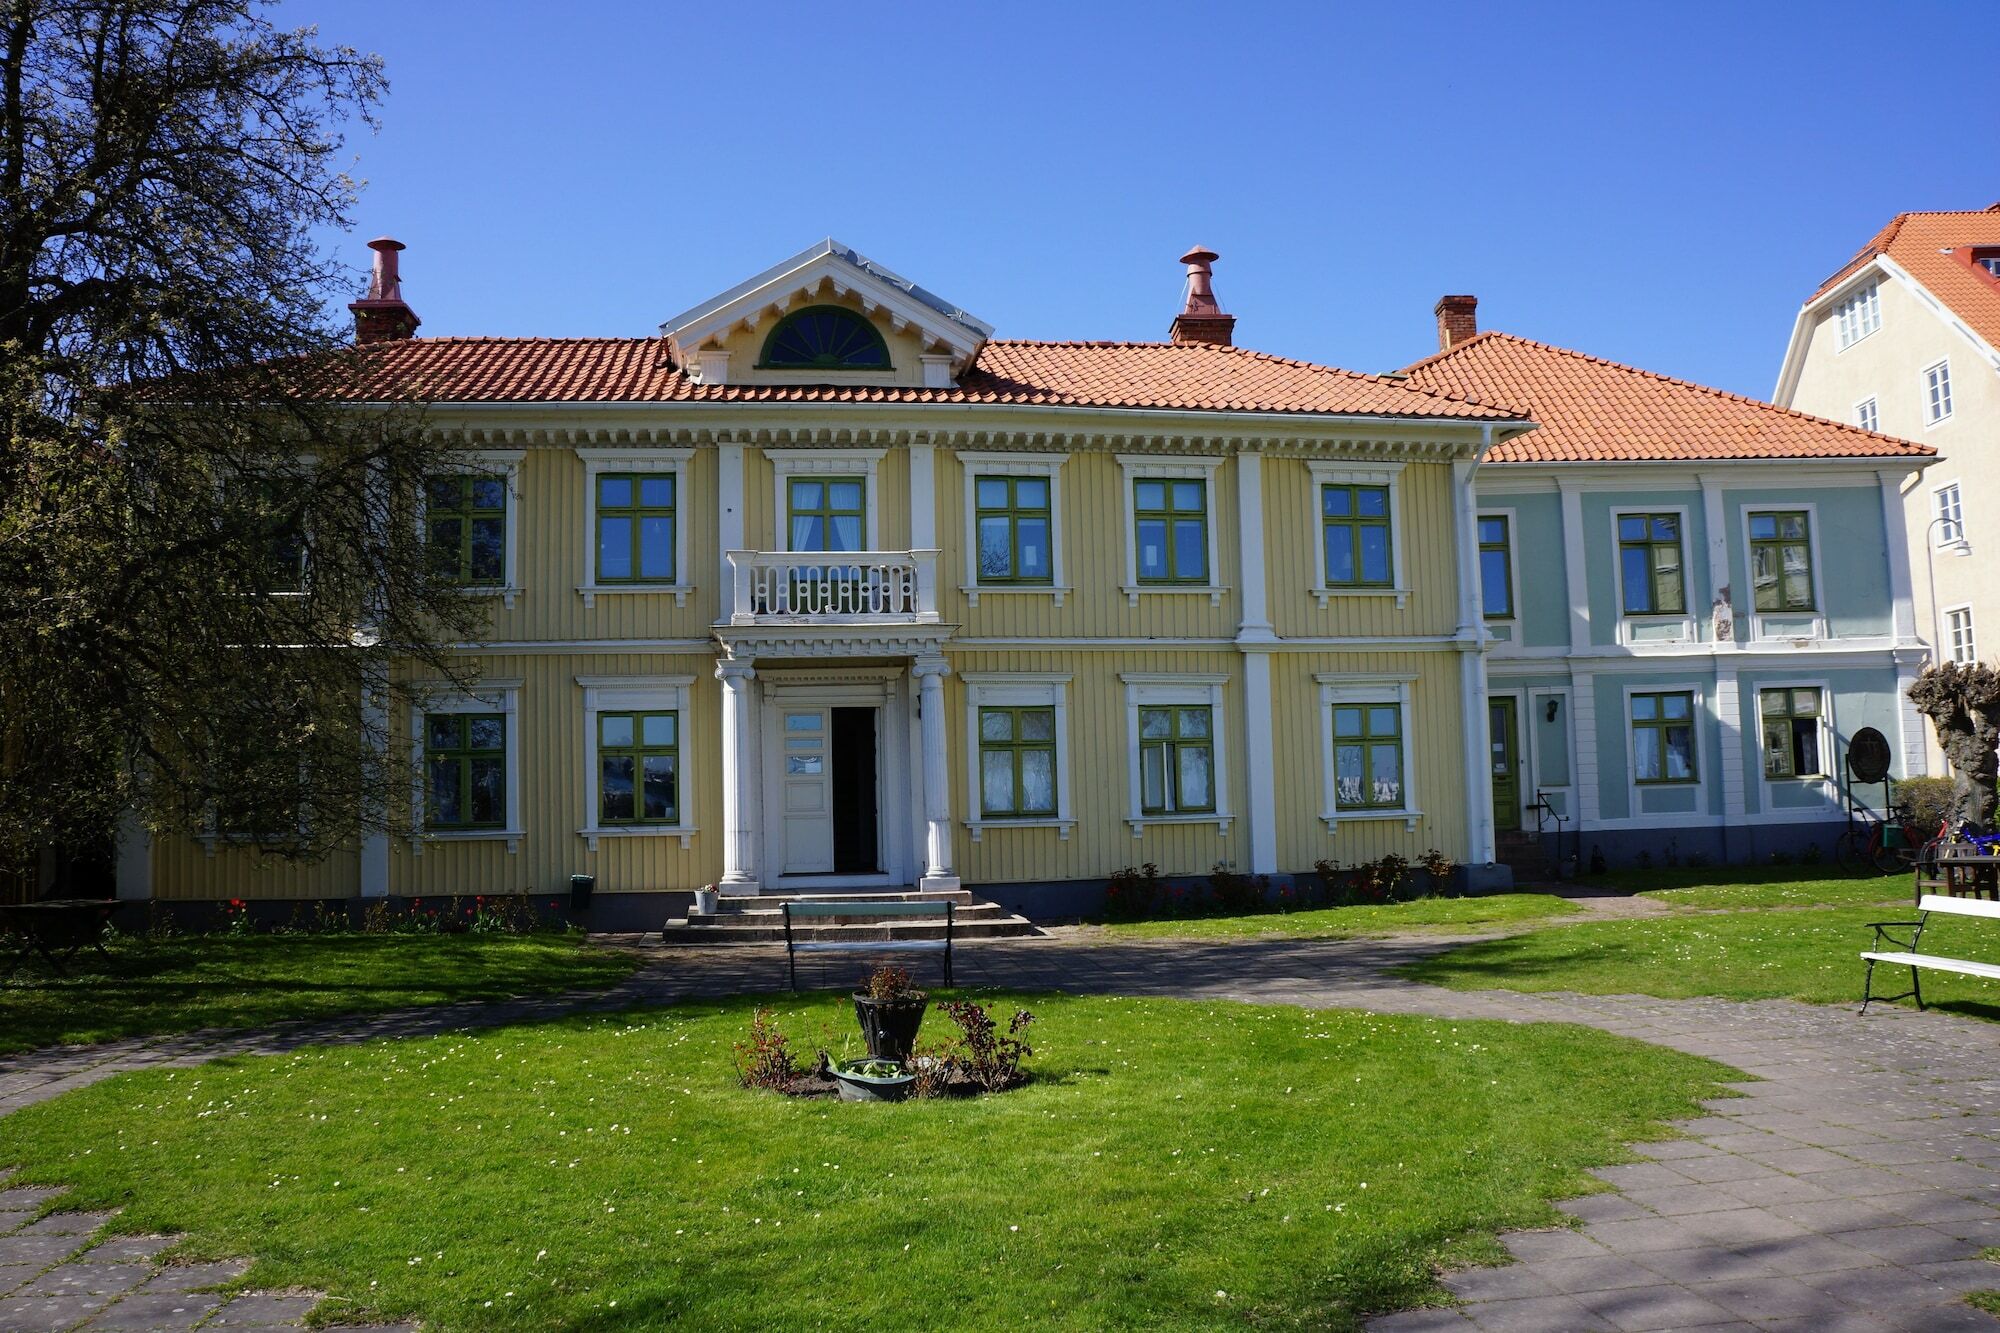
205, 559
1962, 700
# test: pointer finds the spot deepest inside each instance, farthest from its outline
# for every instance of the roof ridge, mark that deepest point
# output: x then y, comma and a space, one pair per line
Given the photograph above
1678, 382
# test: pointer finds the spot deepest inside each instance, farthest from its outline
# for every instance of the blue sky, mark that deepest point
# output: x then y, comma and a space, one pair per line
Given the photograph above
1660, 184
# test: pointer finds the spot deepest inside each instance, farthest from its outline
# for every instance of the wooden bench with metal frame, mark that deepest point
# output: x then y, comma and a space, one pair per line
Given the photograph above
837, 909
1911, 954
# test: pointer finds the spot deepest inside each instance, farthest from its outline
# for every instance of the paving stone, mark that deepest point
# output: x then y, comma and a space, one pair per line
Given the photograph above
1640, 1175
41, 1251
1679, 1200
1602, 1208
264, 1309
1644, 1235
87, 1280
188, 1277
14, 1219
22, 1198
127, 1249
1603, 1272
1766, 1297
1704, 1264
155, 1312
67, 1224
1649, 1309
1832, 1216
1913, 1244
1536, 1314
1422, 1321
1723, 1167
1531, 1245
47, 1314
13, 1275
1498, 1284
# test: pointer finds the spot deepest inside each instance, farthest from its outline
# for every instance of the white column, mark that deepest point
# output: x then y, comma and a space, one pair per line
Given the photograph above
739, 798
1576, 567
729, 519
1722, 610
375, 784
938, 872
134, 873
923, 497
1471, 636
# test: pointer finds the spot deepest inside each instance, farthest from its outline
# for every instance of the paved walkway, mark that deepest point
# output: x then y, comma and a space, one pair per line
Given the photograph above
1851, 1187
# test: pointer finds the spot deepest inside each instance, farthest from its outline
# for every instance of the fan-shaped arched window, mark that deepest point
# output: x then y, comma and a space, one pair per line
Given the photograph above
825, 337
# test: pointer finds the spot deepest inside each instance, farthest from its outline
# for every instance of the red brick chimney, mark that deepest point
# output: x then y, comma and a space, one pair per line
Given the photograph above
1458, 319
1202, 320
383, 314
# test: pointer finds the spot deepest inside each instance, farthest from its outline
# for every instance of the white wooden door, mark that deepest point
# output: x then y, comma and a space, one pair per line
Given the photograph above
805, 791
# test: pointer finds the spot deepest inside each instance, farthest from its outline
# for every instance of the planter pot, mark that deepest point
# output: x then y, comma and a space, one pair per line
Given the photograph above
706, 901
868, 1088
890, 1026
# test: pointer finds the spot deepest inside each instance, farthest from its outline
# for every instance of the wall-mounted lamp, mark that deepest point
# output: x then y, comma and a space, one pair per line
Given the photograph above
1549, 708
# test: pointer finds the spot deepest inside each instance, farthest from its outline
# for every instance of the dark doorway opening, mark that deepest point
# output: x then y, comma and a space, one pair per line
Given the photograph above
856, 849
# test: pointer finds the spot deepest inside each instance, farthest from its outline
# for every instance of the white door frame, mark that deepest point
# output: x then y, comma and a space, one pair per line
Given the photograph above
885, 689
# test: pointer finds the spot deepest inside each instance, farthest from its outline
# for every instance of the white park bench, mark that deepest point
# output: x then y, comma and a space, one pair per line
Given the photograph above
873, 908
1911, 955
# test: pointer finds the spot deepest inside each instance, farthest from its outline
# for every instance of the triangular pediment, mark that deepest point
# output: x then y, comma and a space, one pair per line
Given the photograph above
827, 271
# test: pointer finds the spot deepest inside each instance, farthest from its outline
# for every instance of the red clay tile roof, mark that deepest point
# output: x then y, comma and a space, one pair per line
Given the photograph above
1591, 410
1917, 242
1178, 377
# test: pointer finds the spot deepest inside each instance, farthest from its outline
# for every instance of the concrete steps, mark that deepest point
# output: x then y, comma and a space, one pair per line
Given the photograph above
758, 919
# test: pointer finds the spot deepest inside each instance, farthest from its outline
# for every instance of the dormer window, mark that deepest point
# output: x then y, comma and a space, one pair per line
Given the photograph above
1989, 260
824, 337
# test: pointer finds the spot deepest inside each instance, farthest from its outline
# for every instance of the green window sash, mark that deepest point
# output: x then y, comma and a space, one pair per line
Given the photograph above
465, 518
637, 516
1663, 740
465, 763
1368, 757
827, 513
1170, 530
1781, 561
639, 768
1017, 763
1354, 528
1014, 530
1496, 567
1176, 760
1791, 733
1651, 571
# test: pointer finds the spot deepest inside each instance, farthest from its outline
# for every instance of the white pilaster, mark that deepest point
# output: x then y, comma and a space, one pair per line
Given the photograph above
1258, 747
375, 781
1722, 617
923, 497
1912, 732
740, 799
1895, 534
729, 519
1583, 716
938, 872
1576, 568
1729, 717
1475, 725
134, 873
1255, 624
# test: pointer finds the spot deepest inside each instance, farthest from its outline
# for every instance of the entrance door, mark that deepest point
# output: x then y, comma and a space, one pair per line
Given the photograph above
1503, 732
855, 849
805, 786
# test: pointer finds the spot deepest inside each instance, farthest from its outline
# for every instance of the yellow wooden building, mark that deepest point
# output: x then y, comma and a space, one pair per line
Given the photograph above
826, 588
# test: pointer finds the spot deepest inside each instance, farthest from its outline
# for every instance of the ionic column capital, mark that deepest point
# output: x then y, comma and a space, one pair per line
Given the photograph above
729, 669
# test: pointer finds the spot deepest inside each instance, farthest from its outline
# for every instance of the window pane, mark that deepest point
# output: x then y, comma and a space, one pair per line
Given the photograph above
1637, 578
1038, 724
1194, 777
489, 546
1805, 746
1798, 579
1676, 706
1194, 722
1033, 536
662, 783
446, 537
1155, 724
1336, 501
1632, 528
443, 731
996, 725
614, 492
802, 722
614, 548
489, 791
846, 530
1152, 549
486, 733
614, 729
991, 492
1666, 527
996, 557
1347, 721
1372, 501
443, 492
1492, 530
1347, 786
1496, 597
1151, 494
807, 495
444, 792
659, 729
614, 786
1777, 749
1038, 782
1385, 764
1667, 577
1339, 553
1188, 496
1153, 777
1763, 525
1383, 721
1644, 707
1374, 554
1680, 753
1805, 703
1646, 753
656, 492
1764, 577
1190, 549
489, 493
844, 495
1031, 493
996, 781
656, 548
808, 533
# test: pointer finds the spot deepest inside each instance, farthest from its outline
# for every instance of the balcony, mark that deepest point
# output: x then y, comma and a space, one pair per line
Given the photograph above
833, 588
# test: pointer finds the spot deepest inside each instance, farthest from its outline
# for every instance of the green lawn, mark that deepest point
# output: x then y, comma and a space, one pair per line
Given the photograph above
151, 987
1804, 955
1762, 886
1174, 1165
1415, 917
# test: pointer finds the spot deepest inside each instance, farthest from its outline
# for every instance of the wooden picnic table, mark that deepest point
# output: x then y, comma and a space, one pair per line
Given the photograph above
1961, 871
54, 929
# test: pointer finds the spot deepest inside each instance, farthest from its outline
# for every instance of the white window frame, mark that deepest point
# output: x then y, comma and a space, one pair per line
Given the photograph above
1017, 689
1949, 648
1147, 467
789, 463
1683, 621
1049, 466
597, 462
490, 696
636, 694
1511, 623
1758, 630
1935, 391
1360, 474
1827, 733
1868, 413
1343, 688
1153, 690
1704, 760
1858, 314
504, 464
1951, 533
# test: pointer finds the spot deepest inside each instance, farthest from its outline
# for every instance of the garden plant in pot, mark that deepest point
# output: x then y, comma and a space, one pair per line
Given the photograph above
891, 1010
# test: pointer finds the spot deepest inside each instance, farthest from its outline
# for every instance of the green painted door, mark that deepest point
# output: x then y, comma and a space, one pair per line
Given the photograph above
1504, 735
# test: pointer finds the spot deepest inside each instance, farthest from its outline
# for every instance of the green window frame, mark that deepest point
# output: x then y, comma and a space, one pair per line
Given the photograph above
1792, 732
639, 767
284, 557
1170, 530
1652, 571
1014, 528
1781, 576
1664, 750
465, 519
827, 513
1017, 762
638, 527
1369, 772
1176, 759
824, 337
465, 765
1496, 566
1356, 534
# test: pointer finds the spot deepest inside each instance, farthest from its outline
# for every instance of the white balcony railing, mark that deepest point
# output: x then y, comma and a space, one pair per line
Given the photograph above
833, 587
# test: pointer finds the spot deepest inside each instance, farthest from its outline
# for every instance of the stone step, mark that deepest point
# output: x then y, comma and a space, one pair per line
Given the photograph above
755, 901
756, 930
773, 916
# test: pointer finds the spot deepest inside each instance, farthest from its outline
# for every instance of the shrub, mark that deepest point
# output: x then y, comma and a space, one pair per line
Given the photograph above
889, 984
766, 1060
991, 1060
1439, 867
1233, 893
1928, 801
1133, 893
932, 1065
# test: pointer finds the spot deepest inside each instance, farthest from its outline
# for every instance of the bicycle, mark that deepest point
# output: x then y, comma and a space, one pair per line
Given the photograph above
1885, 846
